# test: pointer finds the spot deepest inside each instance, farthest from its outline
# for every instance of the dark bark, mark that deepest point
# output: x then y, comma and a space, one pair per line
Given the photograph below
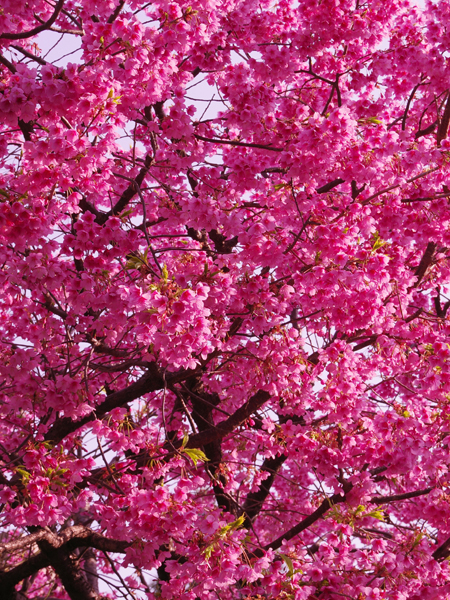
128, 194
58, 551
306, 522
425, 262
149, 382
426, 131
116, 13
26, 128
226, 427
399, 497
443, 125
203, 405
329, 186
36, 30
221, 244
255, 500
239, 144
67, 567
443, 551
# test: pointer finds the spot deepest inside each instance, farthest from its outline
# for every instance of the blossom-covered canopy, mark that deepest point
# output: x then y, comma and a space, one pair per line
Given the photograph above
225, 282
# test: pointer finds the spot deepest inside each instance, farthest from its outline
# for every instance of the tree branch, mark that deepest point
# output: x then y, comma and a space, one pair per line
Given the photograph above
37, 59
236, 143
36, 30
255, 500
116, 12
443, 125
329, 186
55, 551
307, 522
399, 497
425, 262
203, 405
149, 382
128, 194
213, 434
443, 551
228, 425
5, 62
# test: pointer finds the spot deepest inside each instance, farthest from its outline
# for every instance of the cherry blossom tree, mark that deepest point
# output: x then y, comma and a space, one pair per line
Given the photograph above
225, 281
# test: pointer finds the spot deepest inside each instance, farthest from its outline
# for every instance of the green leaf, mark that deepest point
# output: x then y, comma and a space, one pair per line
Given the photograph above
234, 526
289, 564
238, 523
24, 474
377, 242
60, 472
136, 260
369, 121
208, 551
165, 273
133, 262
196, 455
376, 514
126, 213
222, 532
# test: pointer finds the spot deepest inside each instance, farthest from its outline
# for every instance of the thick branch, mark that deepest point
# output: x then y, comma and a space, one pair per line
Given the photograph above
116, 12
424, 262
426, 131
398, 497
36, 30
203, 405
329, 186
228, 425
255, 500
443, 551
66, 563
149, 382
128, 194
23, 542
221, 244
213, 434
55, 552
26, 127
307, 522
5, 62
443, 125
32, 565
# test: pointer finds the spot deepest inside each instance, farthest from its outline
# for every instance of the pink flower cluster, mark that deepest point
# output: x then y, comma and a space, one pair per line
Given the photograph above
225, 291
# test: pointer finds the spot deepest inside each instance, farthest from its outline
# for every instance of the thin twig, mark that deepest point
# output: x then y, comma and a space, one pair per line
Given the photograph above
108, 468
236, 143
